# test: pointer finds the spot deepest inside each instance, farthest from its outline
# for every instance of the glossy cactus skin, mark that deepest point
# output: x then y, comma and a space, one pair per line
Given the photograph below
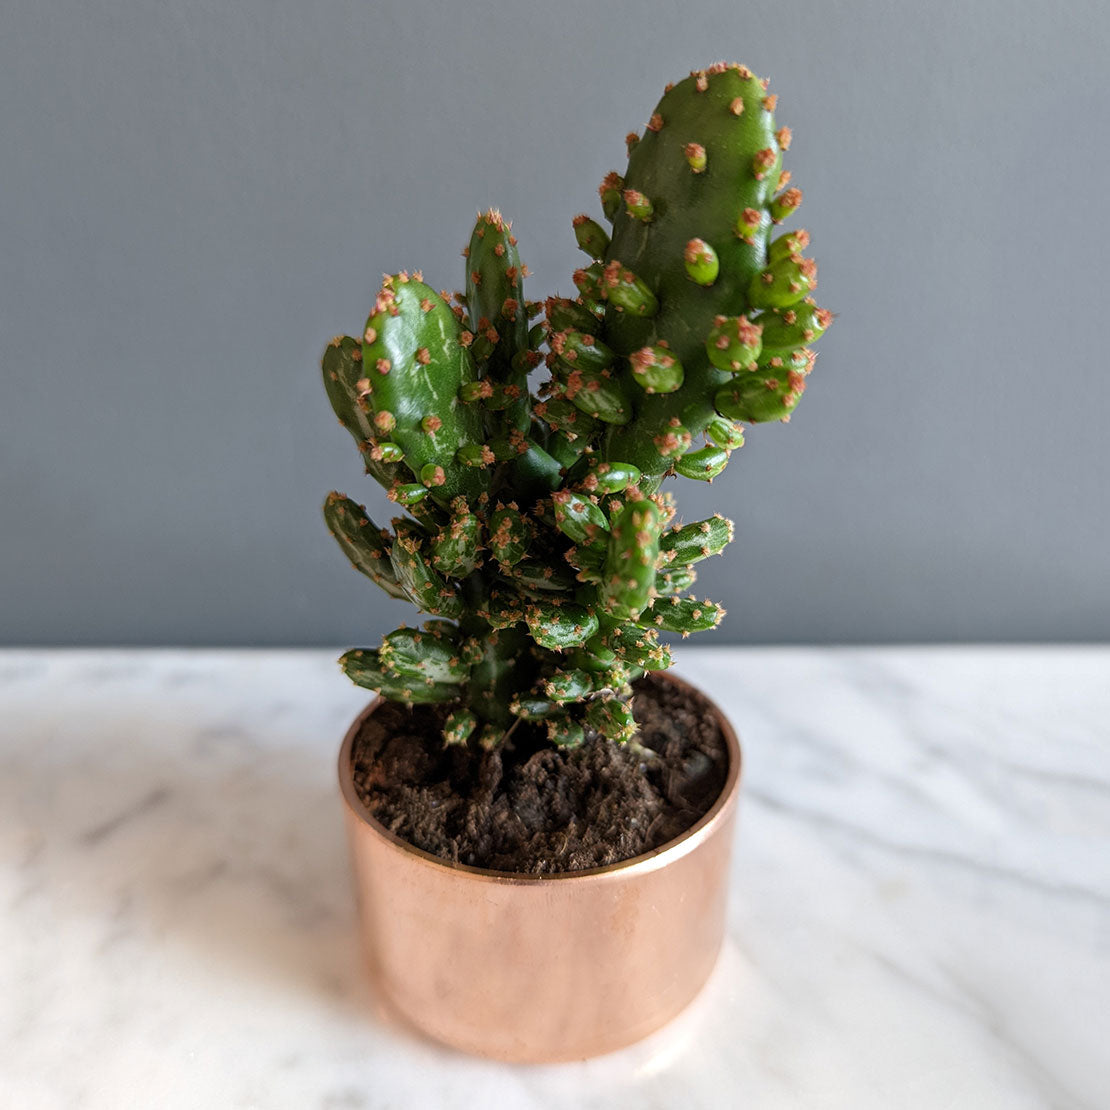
709, 166
537, 534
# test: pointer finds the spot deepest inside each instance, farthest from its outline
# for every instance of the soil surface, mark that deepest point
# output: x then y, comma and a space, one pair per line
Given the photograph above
528, 807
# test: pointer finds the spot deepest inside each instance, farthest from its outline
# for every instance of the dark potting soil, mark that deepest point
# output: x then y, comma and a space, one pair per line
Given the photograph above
528, 807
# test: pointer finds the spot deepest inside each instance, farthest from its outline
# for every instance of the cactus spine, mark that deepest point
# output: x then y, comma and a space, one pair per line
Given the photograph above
537, 536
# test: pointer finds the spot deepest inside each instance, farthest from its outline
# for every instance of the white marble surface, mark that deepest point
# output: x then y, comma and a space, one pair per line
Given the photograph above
919, 917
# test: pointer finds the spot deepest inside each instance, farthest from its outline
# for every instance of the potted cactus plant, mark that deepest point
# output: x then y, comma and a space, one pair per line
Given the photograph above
541, 541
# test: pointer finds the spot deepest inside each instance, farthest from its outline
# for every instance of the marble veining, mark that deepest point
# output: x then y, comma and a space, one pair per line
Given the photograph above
919, 912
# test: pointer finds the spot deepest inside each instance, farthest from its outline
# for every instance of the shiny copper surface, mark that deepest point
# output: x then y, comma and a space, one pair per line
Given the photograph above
541, 968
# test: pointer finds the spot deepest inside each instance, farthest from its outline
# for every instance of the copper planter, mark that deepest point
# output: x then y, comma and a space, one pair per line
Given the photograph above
540, 968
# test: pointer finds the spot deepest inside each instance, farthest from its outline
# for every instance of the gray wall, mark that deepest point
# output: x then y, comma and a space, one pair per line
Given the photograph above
196, 196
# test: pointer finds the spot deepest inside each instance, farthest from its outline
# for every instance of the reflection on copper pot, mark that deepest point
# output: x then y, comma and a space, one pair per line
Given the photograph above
541, 968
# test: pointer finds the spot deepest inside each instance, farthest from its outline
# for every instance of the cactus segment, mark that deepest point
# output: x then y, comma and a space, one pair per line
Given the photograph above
721, 110
700, 540
409, 494
568, 686
455, 550
424, 585
640, 647
530, 708
785, 205
612, 477
787, 329
793, 242
365, 545
413, 366
683, 614
610, 192
591, 236
702, 465
656, 370
612, 718
558, 627
597, 393
497, 675
343, 382
509, 533
575, 350
390, 452
504, 608
759, 398
734, 343
589, 281
565, 315
674, 581
595, 657
783, 283
589, 559
578, 517
565, 732
495, 291
725, 434
637, 205
459, 727
630, 563
702, 263
626, 292
539, 579
364, 668
695, 157
409, 653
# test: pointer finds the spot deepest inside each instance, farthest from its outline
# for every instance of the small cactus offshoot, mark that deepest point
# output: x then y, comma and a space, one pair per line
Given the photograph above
537, 537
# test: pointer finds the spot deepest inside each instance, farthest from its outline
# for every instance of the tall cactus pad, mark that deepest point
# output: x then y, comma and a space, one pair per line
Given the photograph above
690, 248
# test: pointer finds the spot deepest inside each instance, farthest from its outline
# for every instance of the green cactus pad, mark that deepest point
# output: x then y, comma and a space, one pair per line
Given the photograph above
409, 653
565, 315
425, 587
591, 236
700, 540
656, 370
702, 263
363, 667
559, 627
683, 614
564, 732
413, 368
459, 727
758, 398
568, 686
509, 534
630, 565
578, 517
576, 350
456, 549
530, 708
612, 718
702, 465
612, 477
626, 292
787, 329
364, 544
783, 283
724, 433
597, 393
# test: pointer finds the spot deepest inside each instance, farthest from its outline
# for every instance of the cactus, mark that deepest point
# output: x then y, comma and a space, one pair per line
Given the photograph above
537, 535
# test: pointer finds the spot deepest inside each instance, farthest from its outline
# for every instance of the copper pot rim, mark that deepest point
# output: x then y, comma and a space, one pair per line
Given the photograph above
681, 845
